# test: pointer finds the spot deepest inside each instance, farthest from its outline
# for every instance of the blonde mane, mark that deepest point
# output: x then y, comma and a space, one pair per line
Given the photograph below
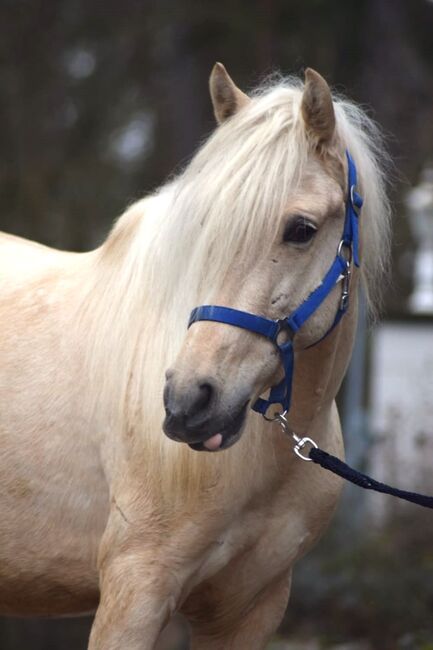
172, 251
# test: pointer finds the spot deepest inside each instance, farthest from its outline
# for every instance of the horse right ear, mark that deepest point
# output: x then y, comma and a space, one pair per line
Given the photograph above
317, 108
227, 99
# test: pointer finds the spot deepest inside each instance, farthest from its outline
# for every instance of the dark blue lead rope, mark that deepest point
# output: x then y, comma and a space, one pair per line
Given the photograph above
336, 466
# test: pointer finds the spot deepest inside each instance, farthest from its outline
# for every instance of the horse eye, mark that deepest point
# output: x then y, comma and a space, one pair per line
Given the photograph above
299, 231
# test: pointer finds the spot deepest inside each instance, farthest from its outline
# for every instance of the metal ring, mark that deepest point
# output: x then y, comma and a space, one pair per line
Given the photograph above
348, 246
283, 326
281, 417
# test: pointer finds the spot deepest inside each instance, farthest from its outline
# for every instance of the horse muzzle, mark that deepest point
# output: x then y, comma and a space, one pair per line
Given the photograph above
197, 416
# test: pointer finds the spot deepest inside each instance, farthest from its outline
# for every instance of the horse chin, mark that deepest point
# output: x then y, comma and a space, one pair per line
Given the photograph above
230, 435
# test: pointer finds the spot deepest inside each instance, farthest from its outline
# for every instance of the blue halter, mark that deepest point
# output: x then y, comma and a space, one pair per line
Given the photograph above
338, 271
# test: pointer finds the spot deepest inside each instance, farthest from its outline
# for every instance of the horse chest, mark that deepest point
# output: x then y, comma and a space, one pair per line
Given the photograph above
263, 541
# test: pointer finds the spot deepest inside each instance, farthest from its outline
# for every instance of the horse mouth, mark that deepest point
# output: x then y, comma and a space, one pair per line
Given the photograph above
224, 438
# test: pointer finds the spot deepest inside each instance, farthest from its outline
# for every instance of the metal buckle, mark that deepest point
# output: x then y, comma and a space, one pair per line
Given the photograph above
352, 200
344, 300
345, 276
300, 442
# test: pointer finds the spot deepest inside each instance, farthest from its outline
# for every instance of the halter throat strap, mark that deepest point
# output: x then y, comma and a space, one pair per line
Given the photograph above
340, 269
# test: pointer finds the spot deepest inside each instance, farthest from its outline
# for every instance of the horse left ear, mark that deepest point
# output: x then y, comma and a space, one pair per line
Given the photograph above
227, 99
317, 108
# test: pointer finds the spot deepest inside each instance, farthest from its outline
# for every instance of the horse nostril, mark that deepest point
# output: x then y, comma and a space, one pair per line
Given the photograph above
202, 399
206, 394
190, 407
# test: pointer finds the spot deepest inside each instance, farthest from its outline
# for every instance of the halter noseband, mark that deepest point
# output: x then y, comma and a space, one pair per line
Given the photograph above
339, 270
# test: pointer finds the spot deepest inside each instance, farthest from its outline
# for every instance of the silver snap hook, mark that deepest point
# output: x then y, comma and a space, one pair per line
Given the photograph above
300, 444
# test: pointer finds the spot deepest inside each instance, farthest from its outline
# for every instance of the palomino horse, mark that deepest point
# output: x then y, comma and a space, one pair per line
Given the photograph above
100, 510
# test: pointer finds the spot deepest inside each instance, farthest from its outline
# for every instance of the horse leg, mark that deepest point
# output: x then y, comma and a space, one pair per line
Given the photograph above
136, 602
250, 627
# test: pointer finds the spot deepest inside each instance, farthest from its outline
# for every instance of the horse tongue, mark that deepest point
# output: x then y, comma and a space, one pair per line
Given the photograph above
214, 442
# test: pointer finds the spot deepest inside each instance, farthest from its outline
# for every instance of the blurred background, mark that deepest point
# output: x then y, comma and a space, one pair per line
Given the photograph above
101, 101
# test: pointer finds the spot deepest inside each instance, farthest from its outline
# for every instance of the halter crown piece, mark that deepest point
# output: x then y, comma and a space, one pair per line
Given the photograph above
348, 249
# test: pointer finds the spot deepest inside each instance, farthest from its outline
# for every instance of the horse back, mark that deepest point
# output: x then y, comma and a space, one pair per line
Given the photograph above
22, 259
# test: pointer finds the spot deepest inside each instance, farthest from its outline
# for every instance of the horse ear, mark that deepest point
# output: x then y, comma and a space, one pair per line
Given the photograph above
227, 99
317, 108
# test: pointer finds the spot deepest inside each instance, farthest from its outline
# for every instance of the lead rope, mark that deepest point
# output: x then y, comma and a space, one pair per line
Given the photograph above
336, 466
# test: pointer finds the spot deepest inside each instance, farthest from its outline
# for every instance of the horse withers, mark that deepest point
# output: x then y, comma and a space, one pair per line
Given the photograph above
101, 511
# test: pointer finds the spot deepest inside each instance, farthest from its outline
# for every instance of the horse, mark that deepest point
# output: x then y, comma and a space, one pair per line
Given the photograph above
136, 482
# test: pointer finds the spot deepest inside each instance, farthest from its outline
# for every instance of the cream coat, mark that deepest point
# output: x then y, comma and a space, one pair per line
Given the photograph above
97, 505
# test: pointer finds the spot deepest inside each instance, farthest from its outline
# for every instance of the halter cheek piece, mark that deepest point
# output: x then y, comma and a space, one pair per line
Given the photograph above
339, 270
